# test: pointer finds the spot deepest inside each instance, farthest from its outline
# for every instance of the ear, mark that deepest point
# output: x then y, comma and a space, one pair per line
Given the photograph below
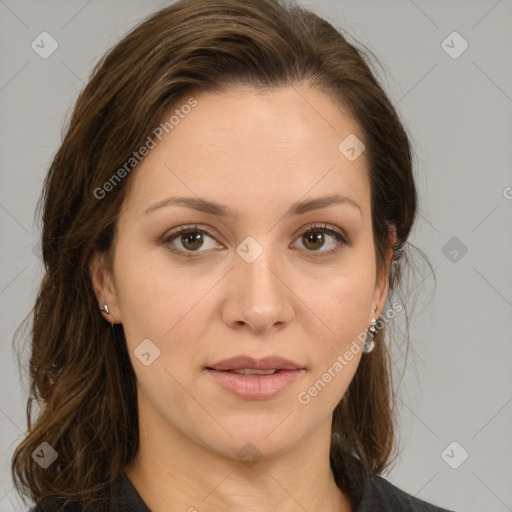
103, 287
382, 282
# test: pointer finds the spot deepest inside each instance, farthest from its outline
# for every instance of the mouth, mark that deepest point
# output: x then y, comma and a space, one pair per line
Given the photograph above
250, 371
255, 379
251, 365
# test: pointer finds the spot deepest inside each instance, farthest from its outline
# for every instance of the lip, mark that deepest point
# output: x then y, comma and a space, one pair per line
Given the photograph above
265, 363
255, 387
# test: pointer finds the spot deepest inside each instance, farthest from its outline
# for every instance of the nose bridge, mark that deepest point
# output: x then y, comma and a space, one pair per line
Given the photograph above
261, 298
258, 269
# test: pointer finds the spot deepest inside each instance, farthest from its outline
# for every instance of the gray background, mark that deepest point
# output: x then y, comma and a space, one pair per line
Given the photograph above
458, 383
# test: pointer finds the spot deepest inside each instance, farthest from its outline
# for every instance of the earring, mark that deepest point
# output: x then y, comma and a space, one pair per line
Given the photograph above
370, 335
104, 309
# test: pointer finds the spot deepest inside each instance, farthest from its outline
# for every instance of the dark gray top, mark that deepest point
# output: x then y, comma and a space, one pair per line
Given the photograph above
375, 494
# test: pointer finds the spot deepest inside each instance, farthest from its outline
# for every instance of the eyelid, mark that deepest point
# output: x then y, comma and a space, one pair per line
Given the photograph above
320, 226
169, 237
338, 234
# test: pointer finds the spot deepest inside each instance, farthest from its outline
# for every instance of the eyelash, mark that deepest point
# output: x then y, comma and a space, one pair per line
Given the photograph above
315, 228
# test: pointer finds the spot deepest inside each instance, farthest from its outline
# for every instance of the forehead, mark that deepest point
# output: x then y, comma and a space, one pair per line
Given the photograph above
245, 147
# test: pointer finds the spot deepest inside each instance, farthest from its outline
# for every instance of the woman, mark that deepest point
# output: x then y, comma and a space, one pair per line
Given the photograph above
223, 223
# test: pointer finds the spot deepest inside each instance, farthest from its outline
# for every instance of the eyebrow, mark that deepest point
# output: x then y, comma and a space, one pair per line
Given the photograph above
212, 208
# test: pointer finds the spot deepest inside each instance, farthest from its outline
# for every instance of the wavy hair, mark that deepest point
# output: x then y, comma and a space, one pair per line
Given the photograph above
79, 371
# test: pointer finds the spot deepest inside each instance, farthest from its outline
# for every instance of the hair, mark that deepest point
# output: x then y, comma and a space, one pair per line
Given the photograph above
79, 369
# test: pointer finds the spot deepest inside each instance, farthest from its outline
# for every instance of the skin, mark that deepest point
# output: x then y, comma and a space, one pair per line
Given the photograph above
257, 153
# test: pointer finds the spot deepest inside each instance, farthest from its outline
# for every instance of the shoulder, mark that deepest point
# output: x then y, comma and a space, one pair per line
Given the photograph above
51, 505
379, 495
122, 497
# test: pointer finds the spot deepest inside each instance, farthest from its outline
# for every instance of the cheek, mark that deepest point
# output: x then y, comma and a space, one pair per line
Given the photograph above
341, 307
344, 308
342, 301
172, 308
150, 298
346, 317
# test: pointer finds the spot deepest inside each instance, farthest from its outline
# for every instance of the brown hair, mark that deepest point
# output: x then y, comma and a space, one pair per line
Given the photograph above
79, 370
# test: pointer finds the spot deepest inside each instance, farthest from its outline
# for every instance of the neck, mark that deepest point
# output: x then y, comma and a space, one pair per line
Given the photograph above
180, 475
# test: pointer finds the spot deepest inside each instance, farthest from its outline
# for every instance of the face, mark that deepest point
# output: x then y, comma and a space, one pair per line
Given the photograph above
276, 277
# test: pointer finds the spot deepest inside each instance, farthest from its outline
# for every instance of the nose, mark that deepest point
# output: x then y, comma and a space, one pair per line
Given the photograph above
259, 297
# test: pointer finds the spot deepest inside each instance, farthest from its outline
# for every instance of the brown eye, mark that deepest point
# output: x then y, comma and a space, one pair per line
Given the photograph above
316, 237
188, 240
192, 240
313, 240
